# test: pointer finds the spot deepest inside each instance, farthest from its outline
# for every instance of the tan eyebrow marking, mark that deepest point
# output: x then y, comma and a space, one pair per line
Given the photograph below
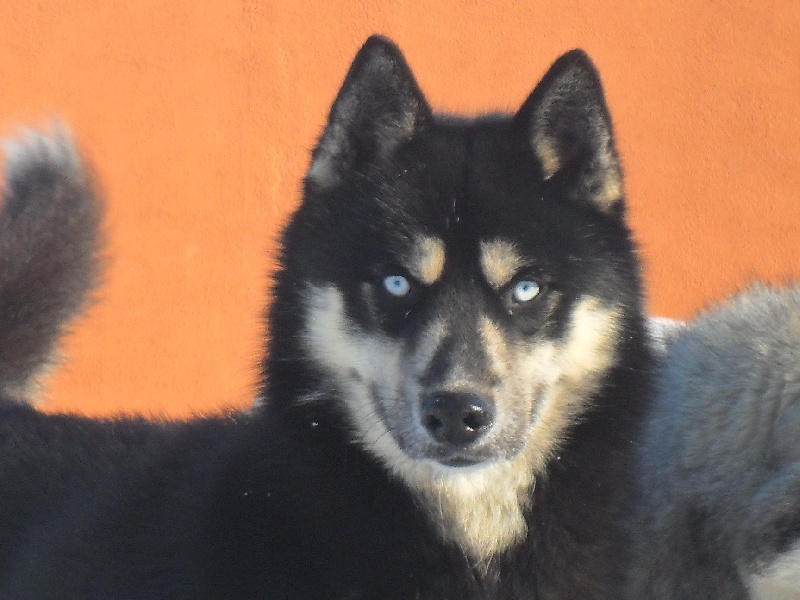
500, 261
426, 262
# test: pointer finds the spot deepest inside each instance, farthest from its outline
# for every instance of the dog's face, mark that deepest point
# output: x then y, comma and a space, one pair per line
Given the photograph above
464, 282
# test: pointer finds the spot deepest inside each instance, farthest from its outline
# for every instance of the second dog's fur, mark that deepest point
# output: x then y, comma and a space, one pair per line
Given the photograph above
719, 512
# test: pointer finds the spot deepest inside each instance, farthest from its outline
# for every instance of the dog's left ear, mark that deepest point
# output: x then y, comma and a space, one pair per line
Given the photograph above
379, 107
569, 128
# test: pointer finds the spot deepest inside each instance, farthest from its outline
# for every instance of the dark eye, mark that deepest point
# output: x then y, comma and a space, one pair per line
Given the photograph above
396, 285
524, 290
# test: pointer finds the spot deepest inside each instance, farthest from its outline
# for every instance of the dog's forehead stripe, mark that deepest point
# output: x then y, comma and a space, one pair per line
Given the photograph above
426, 261
500, 261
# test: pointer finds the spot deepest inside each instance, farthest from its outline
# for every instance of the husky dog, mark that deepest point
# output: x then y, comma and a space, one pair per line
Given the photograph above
720, 467
456, 368
49, 243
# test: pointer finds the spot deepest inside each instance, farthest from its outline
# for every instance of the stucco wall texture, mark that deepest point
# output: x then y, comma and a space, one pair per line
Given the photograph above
199, 115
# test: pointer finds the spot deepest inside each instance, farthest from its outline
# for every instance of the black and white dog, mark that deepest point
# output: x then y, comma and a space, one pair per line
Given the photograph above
456, 371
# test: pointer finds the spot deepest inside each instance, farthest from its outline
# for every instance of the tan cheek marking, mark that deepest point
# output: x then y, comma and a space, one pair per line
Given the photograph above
427, 259
577, 367
500, 261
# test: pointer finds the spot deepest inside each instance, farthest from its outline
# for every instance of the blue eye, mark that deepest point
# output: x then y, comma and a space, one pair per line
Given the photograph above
397, 285
525, 291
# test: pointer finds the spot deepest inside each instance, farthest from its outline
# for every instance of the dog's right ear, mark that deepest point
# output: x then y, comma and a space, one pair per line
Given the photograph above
379, 107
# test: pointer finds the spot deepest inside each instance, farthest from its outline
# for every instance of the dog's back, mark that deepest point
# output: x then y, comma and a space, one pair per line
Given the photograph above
49, 244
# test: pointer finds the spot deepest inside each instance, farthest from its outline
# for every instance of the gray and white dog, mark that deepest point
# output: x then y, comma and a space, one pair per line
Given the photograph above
719, 513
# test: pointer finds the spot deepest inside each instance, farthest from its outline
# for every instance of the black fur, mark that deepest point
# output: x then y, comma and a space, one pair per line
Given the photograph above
283, 502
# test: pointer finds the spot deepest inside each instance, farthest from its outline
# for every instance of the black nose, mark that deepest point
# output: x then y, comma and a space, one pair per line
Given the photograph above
457, 418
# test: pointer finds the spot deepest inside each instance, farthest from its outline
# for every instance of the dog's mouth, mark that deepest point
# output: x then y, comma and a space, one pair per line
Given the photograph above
461, 461
418, 447
460, 458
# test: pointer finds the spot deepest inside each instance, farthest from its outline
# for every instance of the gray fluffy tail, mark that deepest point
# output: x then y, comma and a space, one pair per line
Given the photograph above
49, 254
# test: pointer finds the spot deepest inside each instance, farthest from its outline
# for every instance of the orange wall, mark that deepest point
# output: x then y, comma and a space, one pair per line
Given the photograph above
199, 114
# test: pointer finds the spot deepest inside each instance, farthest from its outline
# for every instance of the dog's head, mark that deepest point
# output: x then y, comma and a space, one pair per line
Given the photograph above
463, 283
